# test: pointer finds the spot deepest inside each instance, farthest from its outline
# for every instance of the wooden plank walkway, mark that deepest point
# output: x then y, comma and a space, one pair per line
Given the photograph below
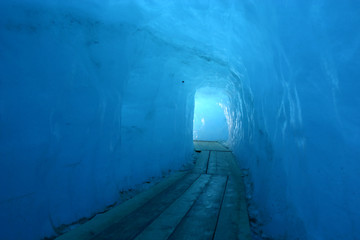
207, 202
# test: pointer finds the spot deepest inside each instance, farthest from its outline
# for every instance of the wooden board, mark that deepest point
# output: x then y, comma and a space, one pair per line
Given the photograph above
201, 220
201, 162
207, 202
165, 224
102, 221
131, 225
207, 146
233, 220
220, 162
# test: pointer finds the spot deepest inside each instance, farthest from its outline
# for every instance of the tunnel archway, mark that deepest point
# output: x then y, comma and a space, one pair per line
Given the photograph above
211, 115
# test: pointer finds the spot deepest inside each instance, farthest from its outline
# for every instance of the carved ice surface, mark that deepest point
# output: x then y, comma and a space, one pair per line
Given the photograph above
97, 96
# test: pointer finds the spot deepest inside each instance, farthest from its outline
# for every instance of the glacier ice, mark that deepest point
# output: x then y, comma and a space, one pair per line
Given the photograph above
97, 96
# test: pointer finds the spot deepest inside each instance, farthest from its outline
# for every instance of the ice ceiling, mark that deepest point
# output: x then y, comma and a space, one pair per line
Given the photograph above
97, 96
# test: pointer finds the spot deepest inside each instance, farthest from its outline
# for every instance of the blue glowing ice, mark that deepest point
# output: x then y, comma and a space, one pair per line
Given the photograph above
97, 96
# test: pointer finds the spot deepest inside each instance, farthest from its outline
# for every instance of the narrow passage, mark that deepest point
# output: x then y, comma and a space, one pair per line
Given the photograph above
206, 202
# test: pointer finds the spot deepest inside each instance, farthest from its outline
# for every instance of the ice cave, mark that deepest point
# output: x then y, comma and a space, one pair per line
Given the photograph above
99, 96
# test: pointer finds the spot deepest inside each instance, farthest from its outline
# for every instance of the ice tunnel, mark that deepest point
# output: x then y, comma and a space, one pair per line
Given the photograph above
98, 96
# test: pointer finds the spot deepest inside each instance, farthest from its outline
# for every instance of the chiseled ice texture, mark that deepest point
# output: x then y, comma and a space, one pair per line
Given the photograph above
90, 105
300, 130
97, 96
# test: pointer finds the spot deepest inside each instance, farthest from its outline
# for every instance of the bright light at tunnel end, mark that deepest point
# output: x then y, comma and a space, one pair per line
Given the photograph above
210, 115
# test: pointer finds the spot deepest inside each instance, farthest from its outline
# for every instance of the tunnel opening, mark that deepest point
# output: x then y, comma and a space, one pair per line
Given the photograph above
211, 115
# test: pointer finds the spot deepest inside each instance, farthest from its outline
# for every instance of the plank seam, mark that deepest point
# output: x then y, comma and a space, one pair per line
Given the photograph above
222, 201
222, 150
147, 225
98, 234
207, 164
170, 236
214, 150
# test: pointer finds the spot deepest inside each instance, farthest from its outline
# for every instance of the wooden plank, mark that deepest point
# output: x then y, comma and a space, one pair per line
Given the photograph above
182, 207
100, 222
220, 163
233, 220
201, 162
209, 146
165, 224
200, 222
245, 232
131, 225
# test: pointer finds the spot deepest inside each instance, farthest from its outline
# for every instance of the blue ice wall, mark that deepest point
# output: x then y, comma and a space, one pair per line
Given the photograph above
97, 96
84, 112
301, 139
